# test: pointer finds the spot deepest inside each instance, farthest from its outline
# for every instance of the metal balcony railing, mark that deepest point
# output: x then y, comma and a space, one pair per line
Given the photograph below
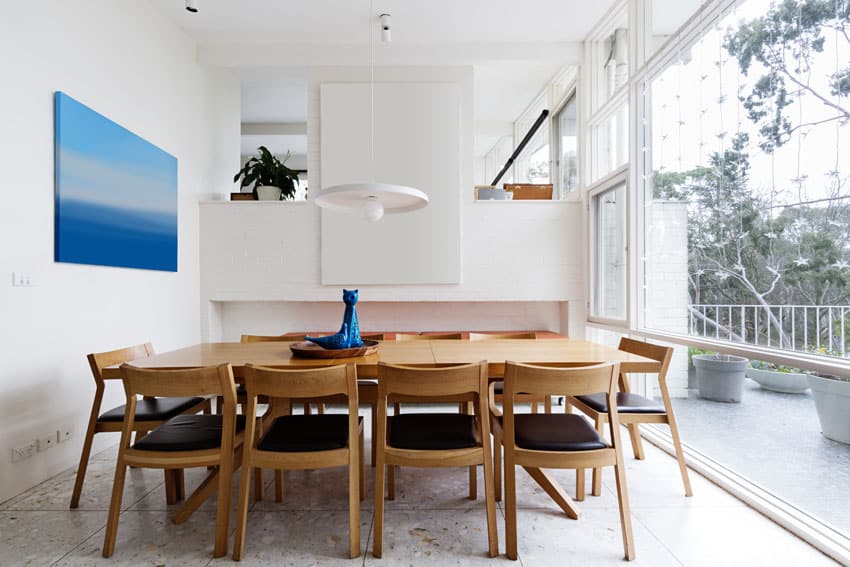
805, 328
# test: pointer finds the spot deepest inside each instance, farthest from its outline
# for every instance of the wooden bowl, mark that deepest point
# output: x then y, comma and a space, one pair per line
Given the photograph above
306, 349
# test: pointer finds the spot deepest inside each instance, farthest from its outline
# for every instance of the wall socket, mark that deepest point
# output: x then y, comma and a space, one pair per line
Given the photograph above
48, 441
20, 279
25, 452
65, 432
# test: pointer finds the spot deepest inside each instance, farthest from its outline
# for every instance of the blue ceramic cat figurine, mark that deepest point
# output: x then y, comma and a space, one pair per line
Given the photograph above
349, 333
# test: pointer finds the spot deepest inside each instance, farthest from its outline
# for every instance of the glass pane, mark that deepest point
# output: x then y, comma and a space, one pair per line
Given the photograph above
568, 144
610, 144
747, 235
610, 257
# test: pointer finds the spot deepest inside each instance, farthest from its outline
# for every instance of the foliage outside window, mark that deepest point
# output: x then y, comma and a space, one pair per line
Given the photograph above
749, 149
609, 253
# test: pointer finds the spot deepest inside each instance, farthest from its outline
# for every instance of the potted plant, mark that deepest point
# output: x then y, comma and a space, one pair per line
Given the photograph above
832, 401
268, 177
778, 377
720, 377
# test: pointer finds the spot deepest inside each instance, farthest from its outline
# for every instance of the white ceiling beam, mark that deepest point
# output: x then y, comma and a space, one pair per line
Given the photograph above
274, 128
280, 54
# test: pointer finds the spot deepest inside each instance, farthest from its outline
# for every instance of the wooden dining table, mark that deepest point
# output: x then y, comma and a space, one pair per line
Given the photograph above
422, 352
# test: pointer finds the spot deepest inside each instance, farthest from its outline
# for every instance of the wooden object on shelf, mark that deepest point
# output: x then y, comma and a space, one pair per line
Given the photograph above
530, 191
242, 197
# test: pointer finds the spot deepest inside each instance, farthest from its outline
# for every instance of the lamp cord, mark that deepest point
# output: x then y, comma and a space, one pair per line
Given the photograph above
372, 88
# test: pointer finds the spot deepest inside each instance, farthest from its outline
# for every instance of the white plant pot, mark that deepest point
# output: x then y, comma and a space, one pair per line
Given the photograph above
268, 193
720, 377
785, 382
832, 400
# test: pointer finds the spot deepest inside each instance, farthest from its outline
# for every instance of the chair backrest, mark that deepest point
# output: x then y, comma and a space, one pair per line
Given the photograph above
271, 338
302, 383
432, 382
100, 360
568, 380
495, 336
658, 353
431, 337
203, 381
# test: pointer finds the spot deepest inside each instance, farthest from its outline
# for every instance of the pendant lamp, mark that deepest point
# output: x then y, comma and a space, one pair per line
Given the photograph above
372, 200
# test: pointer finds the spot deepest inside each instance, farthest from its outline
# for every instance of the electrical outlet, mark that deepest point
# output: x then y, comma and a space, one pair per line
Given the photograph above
25, 452
47, 441
65, 432
20, 279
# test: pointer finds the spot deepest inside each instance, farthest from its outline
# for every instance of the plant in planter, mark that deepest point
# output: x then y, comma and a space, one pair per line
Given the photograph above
778, 377
268, 177
720, 377
832, 401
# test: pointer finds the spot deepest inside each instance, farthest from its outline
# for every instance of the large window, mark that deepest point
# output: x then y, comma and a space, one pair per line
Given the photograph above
749, 144
566, 138
609, 252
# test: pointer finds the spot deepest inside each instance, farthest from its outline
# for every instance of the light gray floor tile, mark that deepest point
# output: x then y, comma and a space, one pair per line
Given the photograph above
150, 538
436, 537
546, 537
726, 536
42, 537
300, 538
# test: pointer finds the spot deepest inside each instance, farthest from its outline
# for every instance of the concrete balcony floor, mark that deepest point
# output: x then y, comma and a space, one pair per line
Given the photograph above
774, 440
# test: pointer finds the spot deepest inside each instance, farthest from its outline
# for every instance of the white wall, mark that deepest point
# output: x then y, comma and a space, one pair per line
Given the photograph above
126, 61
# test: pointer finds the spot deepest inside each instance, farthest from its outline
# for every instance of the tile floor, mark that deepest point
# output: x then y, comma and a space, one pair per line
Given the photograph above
430, 523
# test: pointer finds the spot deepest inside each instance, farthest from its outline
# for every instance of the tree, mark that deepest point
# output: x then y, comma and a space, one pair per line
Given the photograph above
784, 41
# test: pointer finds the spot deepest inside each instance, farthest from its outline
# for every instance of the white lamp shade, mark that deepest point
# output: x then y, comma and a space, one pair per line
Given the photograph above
371, 199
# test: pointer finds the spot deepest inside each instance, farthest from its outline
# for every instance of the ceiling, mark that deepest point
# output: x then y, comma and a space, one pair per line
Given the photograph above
513, 47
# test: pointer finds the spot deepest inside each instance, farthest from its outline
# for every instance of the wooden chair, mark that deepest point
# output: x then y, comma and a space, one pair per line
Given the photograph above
433, 439
499, 384
182, 442
634, 409
536, 441
296, 442
150, 412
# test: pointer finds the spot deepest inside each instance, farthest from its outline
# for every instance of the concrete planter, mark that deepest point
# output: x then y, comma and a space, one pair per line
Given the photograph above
720, 377
268, 193
785, 382
832, 400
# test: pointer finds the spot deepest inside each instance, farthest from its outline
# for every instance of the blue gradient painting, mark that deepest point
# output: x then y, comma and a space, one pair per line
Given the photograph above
116, 194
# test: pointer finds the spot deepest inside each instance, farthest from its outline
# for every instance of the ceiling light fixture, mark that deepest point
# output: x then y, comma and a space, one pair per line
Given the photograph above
372, 200
192, 6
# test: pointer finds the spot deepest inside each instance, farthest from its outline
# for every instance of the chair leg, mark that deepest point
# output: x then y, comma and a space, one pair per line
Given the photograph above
374, 420
242, 512
179, 484
466, 408
510, 509
680, 456
533, 407
218, 404
637, 443
81, 468
547, 404
625, 513
356, 491
490, 500
114, 508
497, 466
396, 408
361, 457
170, 487
391, 482
258, 484
320, 408
596, 489
580, 489
278, 485
308, 409
222, 514
378, 537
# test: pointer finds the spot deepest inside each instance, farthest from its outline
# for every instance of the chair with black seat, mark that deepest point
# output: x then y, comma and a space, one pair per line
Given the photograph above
150, 412
530, 335
635, 409
433, 439
537, 441
296, 442
182, 442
